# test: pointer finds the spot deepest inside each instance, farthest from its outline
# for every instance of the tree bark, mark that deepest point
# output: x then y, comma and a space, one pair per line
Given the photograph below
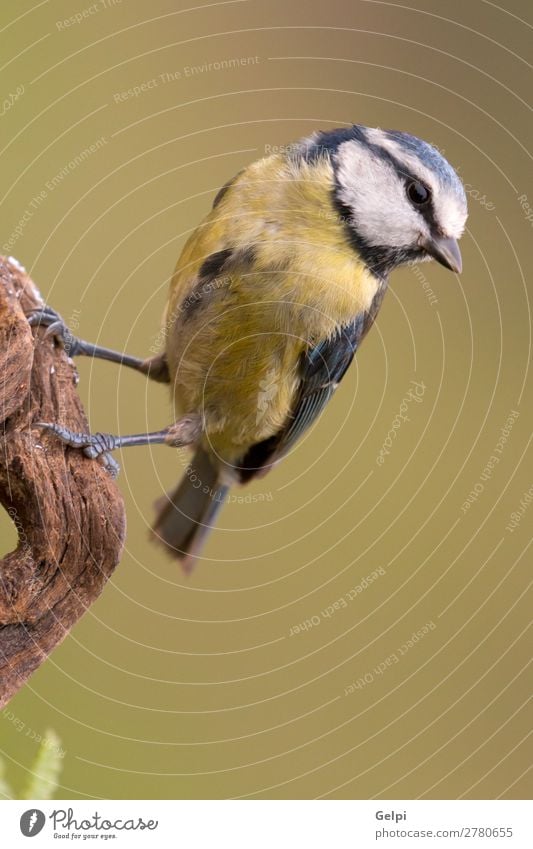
68, 512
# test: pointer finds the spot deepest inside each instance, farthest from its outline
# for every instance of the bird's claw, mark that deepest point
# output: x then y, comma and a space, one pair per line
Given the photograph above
55, 327
110, 464
93, 445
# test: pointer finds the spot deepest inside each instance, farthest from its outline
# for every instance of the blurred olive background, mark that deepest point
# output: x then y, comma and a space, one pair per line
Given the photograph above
200, 687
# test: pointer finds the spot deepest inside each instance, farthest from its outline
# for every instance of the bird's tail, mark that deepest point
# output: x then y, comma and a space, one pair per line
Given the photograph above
186, 515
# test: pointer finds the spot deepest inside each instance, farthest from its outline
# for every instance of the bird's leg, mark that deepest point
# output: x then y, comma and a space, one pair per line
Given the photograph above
183, 432
154, 367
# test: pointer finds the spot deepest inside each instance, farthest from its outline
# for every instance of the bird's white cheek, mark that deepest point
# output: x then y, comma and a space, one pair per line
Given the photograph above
393, 226
381, 212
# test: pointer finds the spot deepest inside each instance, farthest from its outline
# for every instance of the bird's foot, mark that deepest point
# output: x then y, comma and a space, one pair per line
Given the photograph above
56, 327
93, 445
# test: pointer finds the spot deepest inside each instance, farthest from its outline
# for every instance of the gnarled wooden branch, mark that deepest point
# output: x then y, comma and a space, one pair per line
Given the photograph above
68, 512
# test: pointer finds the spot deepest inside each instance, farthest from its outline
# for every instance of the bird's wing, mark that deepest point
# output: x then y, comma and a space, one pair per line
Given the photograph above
322, 367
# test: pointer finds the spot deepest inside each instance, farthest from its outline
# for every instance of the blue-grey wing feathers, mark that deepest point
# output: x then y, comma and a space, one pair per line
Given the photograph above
322, 367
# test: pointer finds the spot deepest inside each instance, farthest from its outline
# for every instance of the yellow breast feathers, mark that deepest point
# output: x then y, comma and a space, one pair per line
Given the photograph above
269, 272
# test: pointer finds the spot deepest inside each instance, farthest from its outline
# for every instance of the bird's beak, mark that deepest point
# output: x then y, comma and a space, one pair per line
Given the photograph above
444, 250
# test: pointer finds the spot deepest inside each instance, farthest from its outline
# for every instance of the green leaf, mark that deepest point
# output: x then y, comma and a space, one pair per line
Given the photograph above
46, 769
5, 790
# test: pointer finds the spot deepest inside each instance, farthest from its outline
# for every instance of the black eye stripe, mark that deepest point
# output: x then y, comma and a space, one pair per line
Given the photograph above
380, 260
426, 210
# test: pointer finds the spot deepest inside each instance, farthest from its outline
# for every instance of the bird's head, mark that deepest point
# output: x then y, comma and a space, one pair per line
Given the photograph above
398, 196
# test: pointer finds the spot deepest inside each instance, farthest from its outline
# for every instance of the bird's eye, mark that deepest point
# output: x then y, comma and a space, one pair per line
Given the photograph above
418, 193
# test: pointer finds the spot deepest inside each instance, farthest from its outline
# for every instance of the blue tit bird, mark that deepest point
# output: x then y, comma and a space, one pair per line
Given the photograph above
271, 298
